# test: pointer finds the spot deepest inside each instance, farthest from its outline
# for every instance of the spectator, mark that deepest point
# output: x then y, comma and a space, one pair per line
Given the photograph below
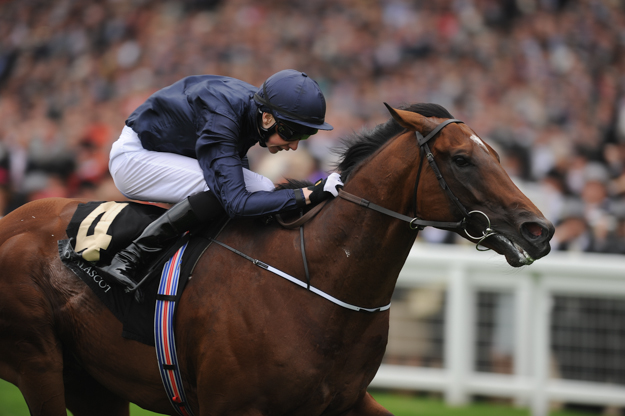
543, 83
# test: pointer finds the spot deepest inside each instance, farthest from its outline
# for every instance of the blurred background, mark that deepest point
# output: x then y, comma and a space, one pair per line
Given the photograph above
542, 81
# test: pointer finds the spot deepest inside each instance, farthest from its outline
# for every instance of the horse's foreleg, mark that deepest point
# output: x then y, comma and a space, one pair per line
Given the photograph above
86, 397
43, 392
31, 355
33, 362
368, 407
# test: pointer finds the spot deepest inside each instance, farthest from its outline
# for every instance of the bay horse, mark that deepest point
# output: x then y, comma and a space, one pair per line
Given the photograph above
250, 343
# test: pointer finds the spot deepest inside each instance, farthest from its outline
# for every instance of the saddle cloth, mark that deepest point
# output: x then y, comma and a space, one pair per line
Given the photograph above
97, 231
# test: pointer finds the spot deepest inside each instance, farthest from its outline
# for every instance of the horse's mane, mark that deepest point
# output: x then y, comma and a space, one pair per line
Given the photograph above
359, 146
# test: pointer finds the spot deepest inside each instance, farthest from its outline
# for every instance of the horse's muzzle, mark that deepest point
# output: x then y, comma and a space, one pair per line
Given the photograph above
538, 233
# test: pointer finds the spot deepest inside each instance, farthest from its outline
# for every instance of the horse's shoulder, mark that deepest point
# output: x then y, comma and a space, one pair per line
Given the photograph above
41, 216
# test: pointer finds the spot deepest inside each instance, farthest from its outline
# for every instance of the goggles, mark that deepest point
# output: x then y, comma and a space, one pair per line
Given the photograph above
289, 133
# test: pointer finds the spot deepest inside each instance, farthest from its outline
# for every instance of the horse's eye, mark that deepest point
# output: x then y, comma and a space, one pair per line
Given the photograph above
461, 161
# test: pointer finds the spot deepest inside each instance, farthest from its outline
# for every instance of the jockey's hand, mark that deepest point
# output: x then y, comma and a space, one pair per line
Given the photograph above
325, 188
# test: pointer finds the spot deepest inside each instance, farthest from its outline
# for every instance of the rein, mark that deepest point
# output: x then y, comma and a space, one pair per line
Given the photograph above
414, 223
303, 219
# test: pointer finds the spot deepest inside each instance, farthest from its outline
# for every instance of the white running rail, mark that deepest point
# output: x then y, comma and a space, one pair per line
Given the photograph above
464, 272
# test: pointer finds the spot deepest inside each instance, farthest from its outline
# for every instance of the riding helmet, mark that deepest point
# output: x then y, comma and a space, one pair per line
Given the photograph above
294, 97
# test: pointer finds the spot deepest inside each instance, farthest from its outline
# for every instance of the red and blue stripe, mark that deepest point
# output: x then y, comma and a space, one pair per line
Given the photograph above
164, 334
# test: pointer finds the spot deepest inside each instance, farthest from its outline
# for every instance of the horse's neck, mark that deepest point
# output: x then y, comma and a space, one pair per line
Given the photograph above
368, 249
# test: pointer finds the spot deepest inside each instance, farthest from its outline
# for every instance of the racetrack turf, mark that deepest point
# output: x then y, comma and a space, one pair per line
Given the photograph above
12, 404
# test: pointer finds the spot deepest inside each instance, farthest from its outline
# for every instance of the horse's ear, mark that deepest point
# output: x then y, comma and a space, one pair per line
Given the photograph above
411, 120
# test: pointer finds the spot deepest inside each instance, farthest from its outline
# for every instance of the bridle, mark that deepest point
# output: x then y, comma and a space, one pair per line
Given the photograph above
415, 222
426, 152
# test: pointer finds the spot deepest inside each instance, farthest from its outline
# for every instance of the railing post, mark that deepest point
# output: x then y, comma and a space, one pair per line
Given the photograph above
541, 347
456, 335
523, 344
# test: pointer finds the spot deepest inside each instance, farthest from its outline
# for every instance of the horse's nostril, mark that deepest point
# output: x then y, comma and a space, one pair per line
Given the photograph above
534, 230
537, 232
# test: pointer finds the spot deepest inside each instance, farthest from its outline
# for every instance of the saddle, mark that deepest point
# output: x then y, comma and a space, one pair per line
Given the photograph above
98, 230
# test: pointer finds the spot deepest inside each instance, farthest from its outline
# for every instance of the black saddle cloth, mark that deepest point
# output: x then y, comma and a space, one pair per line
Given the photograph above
99, 230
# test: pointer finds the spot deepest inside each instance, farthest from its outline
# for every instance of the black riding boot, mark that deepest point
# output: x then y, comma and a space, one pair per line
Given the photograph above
175, 221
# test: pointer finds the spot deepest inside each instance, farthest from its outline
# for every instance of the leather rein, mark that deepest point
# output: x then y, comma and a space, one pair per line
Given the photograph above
414, 223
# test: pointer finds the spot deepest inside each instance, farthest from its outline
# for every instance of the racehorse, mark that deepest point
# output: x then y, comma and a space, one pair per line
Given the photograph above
249, 342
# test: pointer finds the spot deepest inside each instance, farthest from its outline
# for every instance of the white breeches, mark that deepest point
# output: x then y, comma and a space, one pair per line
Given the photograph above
163, 177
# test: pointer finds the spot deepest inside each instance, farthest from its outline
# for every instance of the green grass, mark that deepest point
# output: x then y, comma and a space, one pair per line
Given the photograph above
12, 404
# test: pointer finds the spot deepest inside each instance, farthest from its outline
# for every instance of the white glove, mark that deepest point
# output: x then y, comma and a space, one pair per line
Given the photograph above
325, 188
332, 183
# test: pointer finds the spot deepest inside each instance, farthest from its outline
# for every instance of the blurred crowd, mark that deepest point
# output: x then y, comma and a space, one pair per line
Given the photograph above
540, 80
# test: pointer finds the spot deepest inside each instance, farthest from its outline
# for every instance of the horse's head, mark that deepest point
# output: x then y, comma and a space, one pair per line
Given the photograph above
486, 196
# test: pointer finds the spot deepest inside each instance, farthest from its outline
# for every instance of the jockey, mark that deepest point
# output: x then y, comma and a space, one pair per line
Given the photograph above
187, 145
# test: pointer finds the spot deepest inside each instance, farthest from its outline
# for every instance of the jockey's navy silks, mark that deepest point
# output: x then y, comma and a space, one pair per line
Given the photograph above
212, 119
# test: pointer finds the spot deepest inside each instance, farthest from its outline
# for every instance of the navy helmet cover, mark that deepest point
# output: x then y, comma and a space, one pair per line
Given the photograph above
294, 97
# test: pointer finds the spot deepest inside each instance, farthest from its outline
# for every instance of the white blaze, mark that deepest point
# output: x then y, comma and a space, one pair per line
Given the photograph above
478, 141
